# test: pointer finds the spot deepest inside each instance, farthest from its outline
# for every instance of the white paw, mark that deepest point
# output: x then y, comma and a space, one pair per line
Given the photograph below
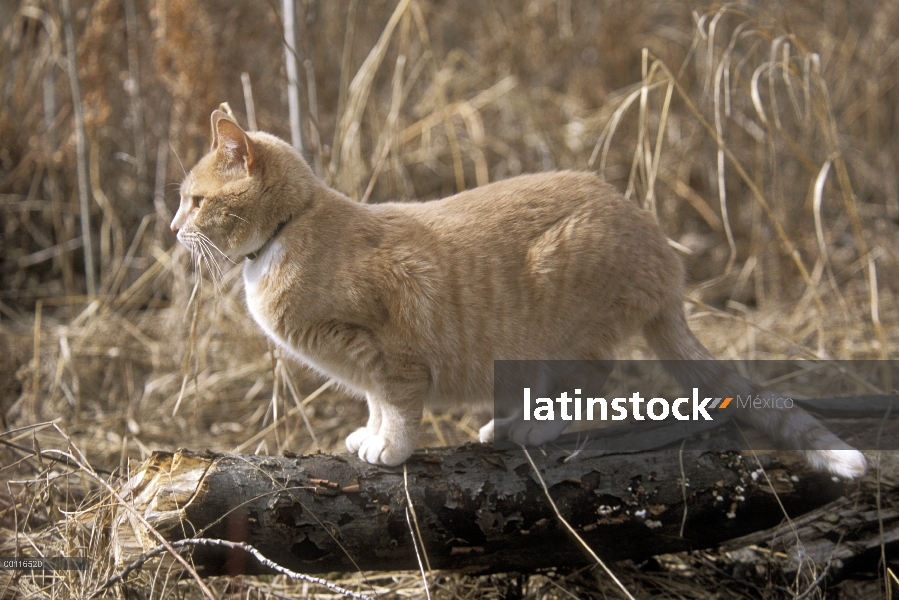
377, 450
844, 463
485, 433
355, 440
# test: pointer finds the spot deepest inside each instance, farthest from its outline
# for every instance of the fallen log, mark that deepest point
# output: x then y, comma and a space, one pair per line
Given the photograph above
475, 508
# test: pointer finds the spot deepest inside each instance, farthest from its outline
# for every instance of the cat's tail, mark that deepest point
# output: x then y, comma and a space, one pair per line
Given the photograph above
691, 363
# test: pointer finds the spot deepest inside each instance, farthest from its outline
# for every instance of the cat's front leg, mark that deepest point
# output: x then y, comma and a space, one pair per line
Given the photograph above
394, 440
355, 440
395, 409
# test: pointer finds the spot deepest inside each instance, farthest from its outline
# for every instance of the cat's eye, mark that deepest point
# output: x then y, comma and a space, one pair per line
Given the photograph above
197, 200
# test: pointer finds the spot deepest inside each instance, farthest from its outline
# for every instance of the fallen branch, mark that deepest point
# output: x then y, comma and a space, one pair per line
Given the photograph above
476, 509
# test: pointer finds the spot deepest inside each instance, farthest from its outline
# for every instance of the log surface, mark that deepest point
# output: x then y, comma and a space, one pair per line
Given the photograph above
477, 509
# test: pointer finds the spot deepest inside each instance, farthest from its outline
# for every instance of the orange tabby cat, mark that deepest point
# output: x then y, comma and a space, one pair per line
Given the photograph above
411, 303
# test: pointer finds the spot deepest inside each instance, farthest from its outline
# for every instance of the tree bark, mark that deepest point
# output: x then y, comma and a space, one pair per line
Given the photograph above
476, 509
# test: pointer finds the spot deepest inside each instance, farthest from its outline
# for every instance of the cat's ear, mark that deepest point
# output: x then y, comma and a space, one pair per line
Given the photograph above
234, 148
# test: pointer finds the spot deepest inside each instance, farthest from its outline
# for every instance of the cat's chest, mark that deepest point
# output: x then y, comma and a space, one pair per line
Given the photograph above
262, 313
256, 272
264, 288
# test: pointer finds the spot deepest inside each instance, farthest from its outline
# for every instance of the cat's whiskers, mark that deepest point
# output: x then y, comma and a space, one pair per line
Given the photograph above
215, 276
238, 217
209, 258
216, 248
199, 264
199, 246
196, 258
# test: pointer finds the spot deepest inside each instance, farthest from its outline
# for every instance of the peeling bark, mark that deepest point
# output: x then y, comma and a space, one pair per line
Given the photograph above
477, 509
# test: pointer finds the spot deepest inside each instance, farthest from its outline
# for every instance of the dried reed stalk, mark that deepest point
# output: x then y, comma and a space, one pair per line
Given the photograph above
293, 93
80, 135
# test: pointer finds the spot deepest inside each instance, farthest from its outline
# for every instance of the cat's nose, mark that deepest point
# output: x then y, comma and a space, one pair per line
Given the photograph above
174, 229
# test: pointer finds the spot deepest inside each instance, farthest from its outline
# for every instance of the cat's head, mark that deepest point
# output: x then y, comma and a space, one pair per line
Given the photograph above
227, 202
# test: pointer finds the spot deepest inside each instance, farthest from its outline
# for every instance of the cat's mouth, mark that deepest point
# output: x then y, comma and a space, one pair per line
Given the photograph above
255, 253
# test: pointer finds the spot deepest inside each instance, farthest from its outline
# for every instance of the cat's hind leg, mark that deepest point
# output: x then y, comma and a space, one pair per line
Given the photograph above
549, 379
516, 429
486, 433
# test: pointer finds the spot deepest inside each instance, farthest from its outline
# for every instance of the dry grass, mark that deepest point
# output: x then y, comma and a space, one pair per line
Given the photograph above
766, 141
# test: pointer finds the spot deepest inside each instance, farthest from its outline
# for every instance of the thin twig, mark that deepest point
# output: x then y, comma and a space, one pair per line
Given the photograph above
771, 485
395, 104
248, 100
190, 343
414, 516
290, 59
315, 141
879, 502
421, 566
262, 433
143, 558
344, 72
48, 454
817, 582
571, 529
80, 151
132, 86
683, 485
